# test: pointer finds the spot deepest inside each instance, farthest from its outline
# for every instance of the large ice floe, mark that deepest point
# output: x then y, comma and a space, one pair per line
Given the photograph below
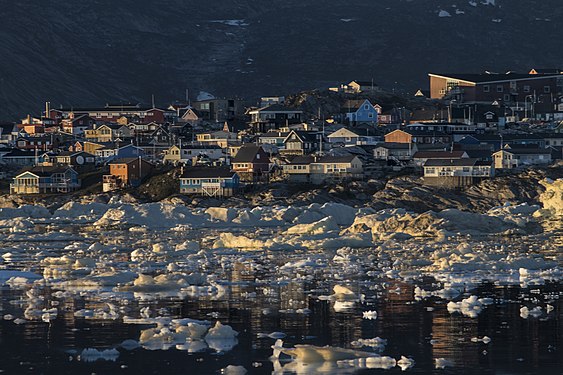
120, 254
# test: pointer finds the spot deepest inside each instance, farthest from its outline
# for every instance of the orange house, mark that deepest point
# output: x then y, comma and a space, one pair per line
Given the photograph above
126, 172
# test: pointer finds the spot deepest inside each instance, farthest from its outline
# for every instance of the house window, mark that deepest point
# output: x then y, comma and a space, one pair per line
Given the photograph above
366, 107
526, 88
547, 89
506, 97
370, 115
500, 88
486, 88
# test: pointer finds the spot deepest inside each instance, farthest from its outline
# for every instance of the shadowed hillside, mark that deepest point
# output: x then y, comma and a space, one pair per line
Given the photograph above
94, 51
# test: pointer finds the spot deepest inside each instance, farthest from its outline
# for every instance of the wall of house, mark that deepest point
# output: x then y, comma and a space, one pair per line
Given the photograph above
398, 137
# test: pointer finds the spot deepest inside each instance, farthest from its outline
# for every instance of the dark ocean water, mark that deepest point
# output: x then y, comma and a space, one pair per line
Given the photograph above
423, 330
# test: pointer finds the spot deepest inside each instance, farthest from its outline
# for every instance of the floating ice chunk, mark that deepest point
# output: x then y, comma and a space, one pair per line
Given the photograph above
370, 315
19, 321
342, 293
229, 240
444, 13
442, 363
92, 355
405, 363
470, 306
484, 339
195, 331
323, 226
234, 370
222, 214
525, 313
220, 331
312, 354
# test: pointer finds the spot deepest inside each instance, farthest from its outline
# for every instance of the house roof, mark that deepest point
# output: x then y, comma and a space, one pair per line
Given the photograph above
438, 154
274, 134
302, 159
128, 161
422, 133
246, 154
492, 78
464, 162
308, 159
200, 147
19, 153
343, 132
364, 83
394, 145
199, 172
304, 136
526, 151
336, 159
46, 171
277, 108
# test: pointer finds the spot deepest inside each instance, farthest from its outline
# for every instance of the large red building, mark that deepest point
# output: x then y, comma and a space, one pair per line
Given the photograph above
532, 92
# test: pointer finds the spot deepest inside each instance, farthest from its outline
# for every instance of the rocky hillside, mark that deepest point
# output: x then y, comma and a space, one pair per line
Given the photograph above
94, 51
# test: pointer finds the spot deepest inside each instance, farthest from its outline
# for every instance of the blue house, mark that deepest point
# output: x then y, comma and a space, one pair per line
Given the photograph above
38, 180
362, 112
212, 182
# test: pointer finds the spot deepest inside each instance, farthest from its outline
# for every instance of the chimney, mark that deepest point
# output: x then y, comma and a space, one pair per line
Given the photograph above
29, 120
47, 108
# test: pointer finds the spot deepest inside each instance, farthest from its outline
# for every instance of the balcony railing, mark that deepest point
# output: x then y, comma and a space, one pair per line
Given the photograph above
213, 184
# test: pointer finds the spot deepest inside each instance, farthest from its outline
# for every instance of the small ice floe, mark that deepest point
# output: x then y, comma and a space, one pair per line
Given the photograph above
444, 13
525, 313
19, 321
221, 337
370, 315
442, 363
484, 339
17, 278
405, 363
471, 306
315, 354
233, 370
93, 355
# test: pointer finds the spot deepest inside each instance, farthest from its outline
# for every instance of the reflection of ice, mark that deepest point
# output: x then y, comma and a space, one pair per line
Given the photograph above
192, 346
93, 355
222, 344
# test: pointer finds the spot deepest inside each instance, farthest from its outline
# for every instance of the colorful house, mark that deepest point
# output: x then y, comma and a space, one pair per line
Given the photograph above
364, 113
38, 180
251, 163
126, 172
212, 182
457, 172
